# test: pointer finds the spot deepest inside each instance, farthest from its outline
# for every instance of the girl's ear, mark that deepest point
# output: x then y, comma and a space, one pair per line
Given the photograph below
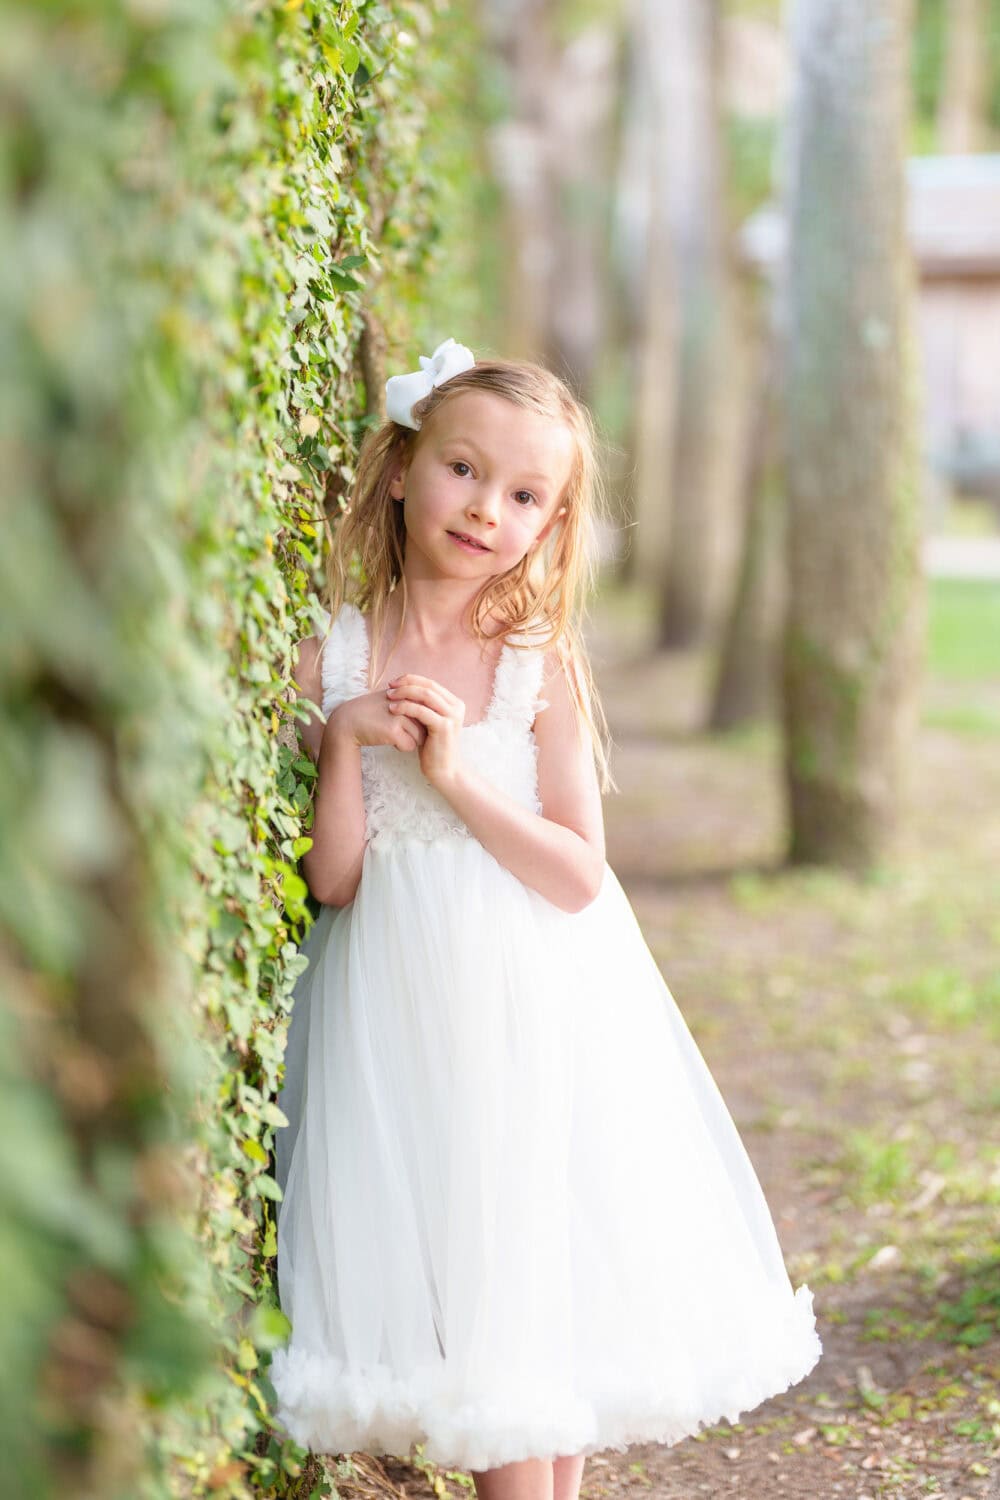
548, 526
397, 484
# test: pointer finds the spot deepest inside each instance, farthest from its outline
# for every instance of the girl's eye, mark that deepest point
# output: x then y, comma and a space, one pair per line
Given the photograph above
529, 500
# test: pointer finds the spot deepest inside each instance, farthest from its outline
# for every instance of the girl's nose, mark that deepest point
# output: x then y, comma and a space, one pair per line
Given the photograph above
485, 506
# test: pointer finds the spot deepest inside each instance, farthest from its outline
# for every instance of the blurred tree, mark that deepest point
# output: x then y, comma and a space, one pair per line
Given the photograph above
992, 44
955, 55
645, 302
854, 629
708, 382
745, 686
675, 265
962, 108
518, 35
581, 105
549, 143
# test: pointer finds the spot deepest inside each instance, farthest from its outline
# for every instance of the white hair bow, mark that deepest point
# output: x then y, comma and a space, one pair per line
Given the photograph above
402, 392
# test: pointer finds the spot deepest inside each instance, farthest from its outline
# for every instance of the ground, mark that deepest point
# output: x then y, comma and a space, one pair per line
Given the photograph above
852, 1027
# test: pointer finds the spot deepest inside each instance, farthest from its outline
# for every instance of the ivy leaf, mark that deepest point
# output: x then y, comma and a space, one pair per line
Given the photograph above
266, 1187
270, 1327
346, 282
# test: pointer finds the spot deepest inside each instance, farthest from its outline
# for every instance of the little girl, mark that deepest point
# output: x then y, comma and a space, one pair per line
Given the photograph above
518, 1224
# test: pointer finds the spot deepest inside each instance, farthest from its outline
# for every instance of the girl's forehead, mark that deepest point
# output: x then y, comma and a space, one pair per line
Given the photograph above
495, 425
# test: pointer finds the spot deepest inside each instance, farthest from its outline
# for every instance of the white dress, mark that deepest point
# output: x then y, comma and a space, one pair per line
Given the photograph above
518, 1219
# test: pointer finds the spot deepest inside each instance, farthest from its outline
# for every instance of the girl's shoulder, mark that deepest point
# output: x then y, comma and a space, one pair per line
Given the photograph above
346, 615
565, 660
575, 701
342, 654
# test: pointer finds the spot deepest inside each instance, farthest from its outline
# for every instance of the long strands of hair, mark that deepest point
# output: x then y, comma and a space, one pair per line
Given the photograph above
545, 595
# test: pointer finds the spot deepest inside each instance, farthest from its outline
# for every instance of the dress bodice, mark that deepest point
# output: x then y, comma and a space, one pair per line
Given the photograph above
400, 802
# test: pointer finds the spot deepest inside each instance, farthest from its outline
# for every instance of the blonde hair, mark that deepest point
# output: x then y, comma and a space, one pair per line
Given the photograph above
546, 591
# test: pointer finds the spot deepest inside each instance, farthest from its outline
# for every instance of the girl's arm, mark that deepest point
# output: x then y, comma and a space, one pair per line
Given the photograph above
560, 854
333, 866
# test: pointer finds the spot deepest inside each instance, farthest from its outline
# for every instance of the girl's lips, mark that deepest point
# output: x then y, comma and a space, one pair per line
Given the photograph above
467, 543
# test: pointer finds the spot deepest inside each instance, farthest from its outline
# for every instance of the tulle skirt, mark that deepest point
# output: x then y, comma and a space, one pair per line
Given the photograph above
518, 1220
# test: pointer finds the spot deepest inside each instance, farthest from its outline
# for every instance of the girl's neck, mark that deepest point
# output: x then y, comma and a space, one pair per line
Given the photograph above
430, 623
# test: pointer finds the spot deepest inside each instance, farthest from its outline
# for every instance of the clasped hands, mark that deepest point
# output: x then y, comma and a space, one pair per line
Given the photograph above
412, 713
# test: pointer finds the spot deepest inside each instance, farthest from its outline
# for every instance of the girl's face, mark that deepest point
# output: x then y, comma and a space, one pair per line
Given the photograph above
486, 469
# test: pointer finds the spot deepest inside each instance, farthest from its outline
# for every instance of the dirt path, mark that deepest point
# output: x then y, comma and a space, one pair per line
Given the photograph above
852, 1028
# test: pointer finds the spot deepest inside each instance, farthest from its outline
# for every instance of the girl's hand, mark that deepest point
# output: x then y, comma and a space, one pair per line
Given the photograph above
441, 715
366, 720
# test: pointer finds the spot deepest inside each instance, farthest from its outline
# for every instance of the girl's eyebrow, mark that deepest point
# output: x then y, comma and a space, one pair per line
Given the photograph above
464, 442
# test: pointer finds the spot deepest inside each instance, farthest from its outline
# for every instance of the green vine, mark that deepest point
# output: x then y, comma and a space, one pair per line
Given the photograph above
201, 206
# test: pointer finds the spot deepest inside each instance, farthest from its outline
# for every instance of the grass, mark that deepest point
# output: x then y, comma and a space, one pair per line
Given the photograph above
948, 998
967, 720
877, 1168
963, 628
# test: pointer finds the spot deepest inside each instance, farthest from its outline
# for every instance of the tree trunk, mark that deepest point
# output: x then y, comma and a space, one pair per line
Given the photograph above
580, 106
703, 475
645, 300
855, 622
747, 689
519, 35
549, 159
962, 110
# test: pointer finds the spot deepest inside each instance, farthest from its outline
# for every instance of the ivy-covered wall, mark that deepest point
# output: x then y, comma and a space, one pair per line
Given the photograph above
204, 208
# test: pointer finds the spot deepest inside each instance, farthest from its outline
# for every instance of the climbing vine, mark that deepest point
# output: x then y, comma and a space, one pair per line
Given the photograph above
202, 205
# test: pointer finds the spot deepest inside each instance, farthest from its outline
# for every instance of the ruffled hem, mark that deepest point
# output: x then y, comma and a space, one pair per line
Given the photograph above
329, 1409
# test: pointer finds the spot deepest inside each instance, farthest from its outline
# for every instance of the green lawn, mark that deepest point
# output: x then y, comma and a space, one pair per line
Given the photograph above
963, 627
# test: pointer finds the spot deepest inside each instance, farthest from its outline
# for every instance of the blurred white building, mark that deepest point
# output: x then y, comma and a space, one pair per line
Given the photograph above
954, 219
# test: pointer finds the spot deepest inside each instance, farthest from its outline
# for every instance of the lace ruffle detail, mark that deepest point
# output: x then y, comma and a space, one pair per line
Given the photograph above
399, 801
516, 684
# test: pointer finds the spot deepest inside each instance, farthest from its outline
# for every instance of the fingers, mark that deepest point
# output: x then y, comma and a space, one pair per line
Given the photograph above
414, 679
408, 734
422, 712
423, 690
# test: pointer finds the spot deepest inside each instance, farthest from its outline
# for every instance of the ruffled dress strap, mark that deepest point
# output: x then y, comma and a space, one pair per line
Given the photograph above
518, 681
344, 657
